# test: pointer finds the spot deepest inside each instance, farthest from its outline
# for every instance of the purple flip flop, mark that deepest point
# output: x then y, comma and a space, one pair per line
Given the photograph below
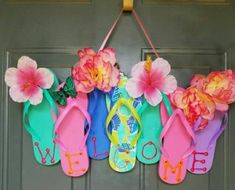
200, 161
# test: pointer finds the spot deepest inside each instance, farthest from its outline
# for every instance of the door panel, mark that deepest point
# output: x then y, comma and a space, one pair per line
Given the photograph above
188, 36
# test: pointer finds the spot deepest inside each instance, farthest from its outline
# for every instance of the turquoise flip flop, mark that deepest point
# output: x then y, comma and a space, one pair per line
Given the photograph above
39, 122
148, 149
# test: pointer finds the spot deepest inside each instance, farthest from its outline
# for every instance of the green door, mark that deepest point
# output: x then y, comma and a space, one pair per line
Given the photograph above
195, 36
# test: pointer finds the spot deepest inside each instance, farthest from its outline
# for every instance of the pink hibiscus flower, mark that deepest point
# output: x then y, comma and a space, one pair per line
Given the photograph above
95, 70
150, 79
26, 81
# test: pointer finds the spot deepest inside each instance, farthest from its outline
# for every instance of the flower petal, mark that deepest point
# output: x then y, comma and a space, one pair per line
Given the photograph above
45, 78
85, 52
138, 70
108, 55
115, 77
198, 81
11, 76
153, 97
83, 86
221, 107
133, 88
169, 84
177, 98
17, 95
26, 62
36, 97
162, 66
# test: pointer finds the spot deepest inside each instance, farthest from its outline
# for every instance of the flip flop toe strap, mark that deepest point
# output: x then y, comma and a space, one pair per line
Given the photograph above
117, 105
186, 126
224, 124
26, 120
167, 104
165, 101
73, 104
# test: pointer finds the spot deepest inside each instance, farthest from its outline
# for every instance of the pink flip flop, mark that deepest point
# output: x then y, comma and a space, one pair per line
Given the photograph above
71, 136
178, 144
200, 161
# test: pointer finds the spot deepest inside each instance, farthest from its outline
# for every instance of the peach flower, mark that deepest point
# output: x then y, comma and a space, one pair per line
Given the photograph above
95, 70
220, 85
195, 104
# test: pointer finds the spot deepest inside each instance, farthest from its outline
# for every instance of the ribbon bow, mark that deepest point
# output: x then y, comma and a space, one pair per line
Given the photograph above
64, 92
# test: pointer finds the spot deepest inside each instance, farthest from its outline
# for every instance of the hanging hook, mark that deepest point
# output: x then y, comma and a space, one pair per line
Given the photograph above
128, 5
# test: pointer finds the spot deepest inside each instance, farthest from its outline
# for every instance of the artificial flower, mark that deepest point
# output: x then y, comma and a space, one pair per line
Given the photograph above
95, 70
107, 75
150, 79
26, 81
194, 104
198, 81
219, 85
108, 55
86, 52
83, 75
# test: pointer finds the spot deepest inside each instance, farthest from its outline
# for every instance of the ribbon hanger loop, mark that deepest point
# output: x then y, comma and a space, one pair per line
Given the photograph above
128, 5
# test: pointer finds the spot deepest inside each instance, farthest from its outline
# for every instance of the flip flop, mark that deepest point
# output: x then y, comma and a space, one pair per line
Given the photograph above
123, 127
71, 135
39, 122
98, 143
148, 149
200, 161
179, 143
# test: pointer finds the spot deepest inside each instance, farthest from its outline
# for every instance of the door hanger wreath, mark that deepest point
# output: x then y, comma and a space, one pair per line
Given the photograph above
98, 112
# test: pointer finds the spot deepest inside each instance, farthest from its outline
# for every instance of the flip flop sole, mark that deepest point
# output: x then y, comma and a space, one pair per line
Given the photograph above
172, 173
177, 146
122, 160
42, 120
98, 143
201, 160
46, 152
122, 157
148, 151
125, 126
70, 132
76, 163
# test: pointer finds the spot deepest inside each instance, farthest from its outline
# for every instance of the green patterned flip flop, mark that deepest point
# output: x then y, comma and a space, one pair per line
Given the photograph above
123, 127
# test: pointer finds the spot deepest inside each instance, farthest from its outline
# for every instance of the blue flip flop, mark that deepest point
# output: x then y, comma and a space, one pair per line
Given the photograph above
98, 143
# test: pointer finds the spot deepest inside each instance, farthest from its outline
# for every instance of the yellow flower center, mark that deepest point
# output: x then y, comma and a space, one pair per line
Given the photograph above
26, 86
148, 64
